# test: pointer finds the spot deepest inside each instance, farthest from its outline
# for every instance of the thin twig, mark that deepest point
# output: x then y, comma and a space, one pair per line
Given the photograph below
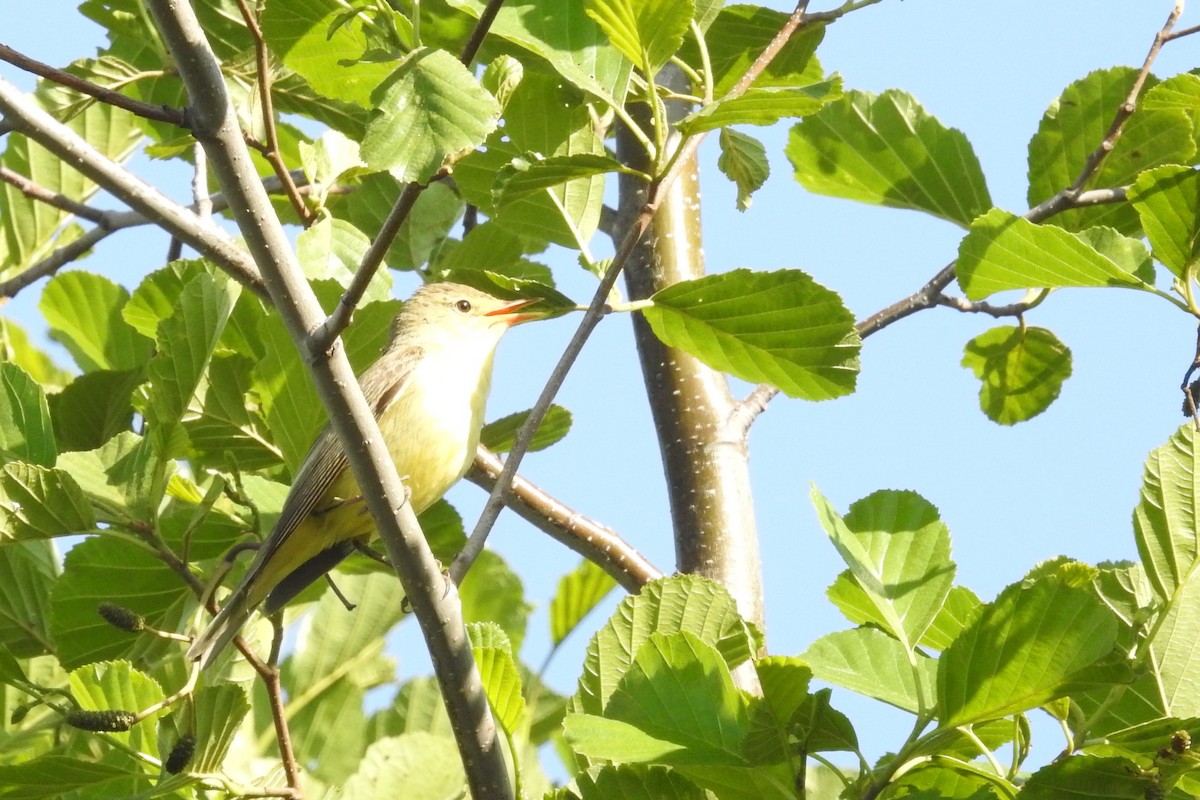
655, 194
593, 541
271, 151
158, 113
321, 339
35, 191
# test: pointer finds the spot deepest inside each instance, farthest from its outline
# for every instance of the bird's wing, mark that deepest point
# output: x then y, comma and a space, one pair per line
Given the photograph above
326, 459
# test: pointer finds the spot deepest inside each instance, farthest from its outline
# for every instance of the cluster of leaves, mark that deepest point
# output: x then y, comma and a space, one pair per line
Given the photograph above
1105, 650
173, 443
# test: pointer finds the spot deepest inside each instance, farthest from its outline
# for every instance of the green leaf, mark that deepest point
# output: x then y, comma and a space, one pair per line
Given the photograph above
426, 766
1167, 200
26, 433
679, 692
1174, 652
947, 782
227, 424
93, 408
784, 684
429, 111
743, 160
552, 120
491, 244
780, 327
40, 503
219, 711
50, 776
84, 313
579, 591
1166, 517
103, 569
27, 574
668, 605
1034, 643
338, 657
633, 782
1003, 251
898, 550
332, 249
290, 405
157, 295
498, 671
1077, 122
118, 478
418, 707
960, 610
1083, 777
530, 174
501, 78
303, 34
566, 38
186, 342
424, 230
1022, 370
868, 661
118, 686
740, 33
647, 32
763, 106
492, 592
499, 436
886, 150
16, 348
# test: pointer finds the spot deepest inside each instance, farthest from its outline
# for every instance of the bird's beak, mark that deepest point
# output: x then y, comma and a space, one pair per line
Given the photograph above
509, 312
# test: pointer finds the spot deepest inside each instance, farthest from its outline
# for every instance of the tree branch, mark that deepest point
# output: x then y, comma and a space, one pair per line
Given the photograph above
435, 603
159, 113
112, 222
590, 539
271, 150
203, 235
35, 191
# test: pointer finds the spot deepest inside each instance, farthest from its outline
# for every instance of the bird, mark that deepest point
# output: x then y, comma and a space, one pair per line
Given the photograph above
427, 390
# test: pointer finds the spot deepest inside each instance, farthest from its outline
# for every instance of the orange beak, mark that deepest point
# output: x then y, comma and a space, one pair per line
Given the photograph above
509, 312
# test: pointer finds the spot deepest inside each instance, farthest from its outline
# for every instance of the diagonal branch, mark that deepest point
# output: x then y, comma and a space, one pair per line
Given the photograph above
271, 150
109, 223
158, 113
435, 604
590, 539
203, 235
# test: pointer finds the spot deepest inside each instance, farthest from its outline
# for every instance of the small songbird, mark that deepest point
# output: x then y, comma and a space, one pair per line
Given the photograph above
427, 391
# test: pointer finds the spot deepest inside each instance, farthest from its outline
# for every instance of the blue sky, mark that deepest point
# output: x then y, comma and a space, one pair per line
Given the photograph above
1063, 483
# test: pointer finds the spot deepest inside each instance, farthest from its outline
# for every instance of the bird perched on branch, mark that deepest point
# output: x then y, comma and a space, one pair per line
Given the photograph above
427, 391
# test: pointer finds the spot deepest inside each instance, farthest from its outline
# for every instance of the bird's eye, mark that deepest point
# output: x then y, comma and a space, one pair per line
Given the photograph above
462, 305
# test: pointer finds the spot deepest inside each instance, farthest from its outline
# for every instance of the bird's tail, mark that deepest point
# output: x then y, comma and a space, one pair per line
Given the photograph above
221, 631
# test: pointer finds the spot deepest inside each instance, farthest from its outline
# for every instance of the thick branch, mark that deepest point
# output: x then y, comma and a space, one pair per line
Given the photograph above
593, 541
437, 609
